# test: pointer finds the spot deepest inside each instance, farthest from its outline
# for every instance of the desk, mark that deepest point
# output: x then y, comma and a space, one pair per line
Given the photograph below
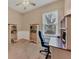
60, 53
57, 51
54, 41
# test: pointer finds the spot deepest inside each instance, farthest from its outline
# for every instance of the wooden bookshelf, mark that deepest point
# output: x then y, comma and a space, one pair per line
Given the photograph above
33, 33
12, 33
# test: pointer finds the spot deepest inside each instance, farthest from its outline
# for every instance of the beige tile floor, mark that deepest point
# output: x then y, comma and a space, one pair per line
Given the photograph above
24, 50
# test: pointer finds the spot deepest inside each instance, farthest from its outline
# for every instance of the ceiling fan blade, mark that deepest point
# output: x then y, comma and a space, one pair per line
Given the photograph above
18, 4
33, 4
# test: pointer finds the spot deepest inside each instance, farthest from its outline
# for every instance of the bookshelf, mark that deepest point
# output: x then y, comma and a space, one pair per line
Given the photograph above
12, 31
66, 31
33, 33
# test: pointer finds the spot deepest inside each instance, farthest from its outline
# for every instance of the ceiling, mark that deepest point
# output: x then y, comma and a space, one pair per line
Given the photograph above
39, 3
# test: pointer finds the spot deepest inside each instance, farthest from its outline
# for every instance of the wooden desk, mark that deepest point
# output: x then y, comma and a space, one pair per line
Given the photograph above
60, 53
57, 51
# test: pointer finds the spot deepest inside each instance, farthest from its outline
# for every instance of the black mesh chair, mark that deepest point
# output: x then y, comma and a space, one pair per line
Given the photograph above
47, 50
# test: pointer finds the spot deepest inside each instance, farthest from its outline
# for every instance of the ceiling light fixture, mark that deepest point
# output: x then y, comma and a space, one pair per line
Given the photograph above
25, 3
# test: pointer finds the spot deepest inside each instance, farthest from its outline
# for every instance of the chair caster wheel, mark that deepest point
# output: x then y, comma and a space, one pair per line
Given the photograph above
40, 51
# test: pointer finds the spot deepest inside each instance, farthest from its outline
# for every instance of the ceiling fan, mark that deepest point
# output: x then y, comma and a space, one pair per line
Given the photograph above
25, 3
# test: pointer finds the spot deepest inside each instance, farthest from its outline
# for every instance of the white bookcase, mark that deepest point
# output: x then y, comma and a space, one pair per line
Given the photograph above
66, 28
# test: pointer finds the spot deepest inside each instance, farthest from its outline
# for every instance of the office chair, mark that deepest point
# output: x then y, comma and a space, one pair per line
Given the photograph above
47, 50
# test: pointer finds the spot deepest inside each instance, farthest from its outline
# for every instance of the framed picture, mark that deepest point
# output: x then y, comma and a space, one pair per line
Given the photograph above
50, 23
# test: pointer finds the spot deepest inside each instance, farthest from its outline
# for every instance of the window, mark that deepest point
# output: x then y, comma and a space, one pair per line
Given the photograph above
50, 23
